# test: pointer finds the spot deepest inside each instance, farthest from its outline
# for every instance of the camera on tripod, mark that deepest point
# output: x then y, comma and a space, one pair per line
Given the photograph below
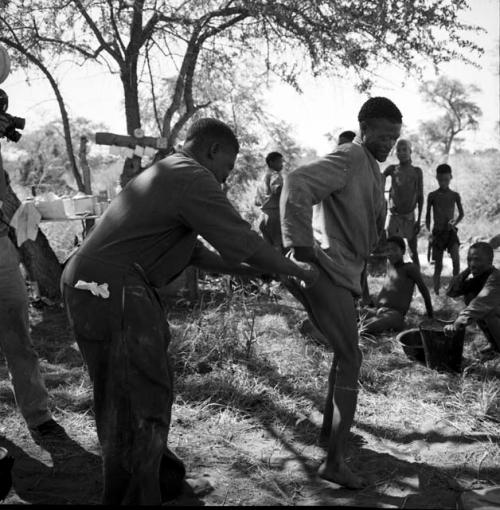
15, 123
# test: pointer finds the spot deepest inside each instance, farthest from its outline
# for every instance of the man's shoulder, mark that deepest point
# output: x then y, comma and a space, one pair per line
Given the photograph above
180, 166
338, 158
494, 277
418, 171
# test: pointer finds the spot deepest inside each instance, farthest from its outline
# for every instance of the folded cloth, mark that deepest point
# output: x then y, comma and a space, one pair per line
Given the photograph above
96, 289
25, 221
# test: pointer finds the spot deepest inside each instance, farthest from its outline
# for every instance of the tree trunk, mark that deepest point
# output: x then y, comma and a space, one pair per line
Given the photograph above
37, 256
128, 75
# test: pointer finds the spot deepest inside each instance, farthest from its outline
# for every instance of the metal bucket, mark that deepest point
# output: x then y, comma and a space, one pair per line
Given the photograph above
442, 352
411, 342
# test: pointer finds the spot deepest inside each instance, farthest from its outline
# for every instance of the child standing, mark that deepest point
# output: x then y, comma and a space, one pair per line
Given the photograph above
269, 200
444, 231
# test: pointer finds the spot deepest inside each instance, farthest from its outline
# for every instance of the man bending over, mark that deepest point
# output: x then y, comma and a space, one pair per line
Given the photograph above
147, 237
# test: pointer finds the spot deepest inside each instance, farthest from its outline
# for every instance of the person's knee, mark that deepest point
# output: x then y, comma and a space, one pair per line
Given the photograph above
372, 326
349, 363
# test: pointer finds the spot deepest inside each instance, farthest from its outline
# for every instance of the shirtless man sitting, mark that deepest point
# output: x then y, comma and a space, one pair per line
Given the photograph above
396, 294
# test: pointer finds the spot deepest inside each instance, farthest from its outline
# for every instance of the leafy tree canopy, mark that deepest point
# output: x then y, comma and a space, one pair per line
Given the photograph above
459, 112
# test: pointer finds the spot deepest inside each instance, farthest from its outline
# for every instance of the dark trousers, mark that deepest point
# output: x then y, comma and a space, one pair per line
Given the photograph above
124, 341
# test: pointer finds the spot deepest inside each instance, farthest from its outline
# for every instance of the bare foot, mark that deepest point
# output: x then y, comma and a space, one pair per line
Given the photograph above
341, 475
354, 439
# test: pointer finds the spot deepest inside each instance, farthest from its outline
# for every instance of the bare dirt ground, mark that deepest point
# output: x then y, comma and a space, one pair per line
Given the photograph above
250, 392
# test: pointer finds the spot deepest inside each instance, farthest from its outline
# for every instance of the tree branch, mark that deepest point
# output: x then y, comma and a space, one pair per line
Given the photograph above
90, 22
115, 27
153, 96
64, 114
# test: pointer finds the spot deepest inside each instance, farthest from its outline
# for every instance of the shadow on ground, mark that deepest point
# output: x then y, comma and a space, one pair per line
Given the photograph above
68, 475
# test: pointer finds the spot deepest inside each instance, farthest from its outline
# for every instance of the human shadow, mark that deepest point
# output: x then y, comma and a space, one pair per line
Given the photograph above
432, 436
392, 482
73, 478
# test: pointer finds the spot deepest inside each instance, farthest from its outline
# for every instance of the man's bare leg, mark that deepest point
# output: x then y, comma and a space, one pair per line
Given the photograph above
326, 428
335, 314
438, 267
455, 258
413, 246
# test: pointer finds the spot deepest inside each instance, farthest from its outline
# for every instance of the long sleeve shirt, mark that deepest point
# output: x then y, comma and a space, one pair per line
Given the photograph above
480, 302
346, 187
155, 221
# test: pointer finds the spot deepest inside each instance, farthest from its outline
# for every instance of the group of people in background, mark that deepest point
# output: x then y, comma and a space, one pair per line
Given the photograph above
405, 210
321, 223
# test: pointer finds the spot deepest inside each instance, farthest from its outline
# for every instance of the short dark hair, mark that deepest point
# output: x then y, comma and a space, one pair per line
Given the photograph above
273, 156
399, 241
380, 108
210, 129
486, 248
443, 169
348, 135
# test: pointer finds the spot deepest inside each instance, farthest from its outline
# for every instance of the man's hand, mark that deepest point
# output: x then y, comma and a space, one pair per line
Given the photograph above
451, 329
416, 227
310, 274
453, 222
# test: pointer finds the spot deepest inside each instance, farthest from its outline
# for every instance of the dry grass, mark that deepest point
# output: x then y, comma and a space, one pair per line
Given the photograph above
250, 393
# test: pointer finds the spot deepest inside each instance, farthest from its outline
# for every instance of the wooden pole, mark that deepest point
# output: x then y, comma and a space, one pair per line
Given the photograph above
87, 184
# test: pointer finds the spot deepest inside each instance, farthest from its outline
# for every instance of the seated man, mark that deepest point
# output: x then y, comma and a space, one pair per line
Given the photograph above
479, 284
396, 294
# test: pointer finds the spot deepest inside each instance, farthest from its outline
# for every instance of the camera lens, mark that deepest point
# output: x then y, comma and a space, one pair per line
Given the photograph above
19, 122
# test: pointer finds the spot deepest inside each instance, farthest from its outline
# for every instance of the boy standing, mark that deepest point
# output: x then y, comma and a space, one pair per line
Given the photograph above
348, 187
395, 297
406, 194
444, 231
270, 201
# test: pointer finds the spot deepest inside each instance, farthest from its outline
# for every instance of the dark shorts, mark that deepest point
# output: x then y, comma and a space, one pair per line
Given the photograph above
444, 239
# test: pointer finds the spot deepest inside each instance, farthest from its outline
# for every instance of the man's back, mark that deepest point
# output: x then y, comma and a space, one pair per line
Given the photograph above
155, 220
